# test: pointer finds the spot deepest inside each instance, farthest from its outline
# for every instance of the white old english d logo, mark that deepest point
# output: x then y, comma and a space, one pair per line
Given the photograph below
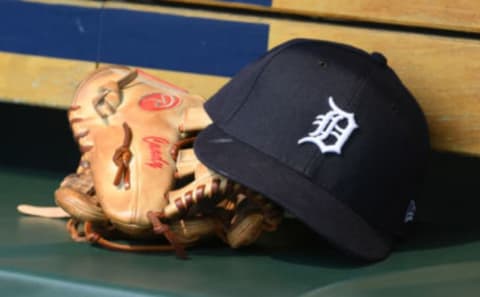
334, 129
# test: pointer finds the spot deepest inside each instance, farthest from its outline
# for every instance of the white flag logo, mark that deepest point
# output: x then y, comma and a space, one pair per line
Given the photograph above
334, 129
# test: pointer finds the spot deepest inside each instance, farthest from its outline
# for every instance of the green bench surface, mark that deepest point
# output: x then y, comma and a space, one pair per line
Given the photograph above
38, 258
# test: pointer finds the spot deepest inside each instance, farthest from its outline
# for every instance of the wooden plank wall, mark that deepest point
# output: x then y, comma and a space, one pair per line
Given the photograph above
200, 48
462, 15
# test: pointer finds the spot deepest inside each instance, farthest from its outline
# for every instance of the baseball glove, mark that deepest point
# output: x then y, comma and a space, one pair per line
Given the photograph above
138, 177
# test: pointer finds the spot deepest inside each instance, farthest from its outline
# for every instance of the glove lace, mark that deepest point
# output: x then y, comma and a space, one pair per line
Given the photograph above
122, 157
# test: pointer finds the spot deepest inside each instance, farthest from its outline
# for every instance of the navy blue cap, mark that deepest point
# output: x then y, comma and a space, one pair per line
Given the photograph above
328, 132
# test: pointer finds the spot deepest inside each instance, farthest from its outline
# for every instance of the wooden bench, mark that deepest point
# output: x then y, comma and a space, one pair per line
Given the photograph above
433, 46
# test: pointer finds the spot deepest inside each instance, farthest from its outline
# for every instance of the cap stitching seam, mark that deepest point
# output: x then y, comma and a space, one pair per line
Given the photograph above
247, 98
352, 50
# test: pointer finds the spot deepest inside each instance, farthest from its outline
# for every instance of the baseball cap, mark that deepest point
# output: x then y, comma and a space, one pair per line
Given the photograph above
328, 132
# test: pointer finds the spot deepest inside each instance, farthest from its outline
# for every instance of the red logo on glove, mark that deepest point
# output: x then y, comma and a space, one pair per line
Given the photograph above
155, 145
158, 101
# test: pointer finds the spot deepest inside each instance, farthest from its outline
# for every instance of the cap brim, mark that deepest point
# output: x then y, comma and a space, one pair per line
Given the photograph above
311, 204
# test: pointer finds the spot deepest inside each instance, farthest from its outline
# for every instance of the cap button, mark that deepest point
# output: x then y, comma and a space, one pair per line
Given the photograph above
379, 58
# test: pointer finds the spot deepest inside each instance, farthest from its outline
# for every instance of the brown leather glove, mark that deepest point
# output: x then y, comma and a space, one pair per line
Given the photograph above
133, 131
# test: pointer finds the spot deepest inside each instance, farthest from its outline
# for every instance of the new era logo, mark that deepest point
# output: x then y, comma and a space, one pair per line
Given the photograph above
411, 210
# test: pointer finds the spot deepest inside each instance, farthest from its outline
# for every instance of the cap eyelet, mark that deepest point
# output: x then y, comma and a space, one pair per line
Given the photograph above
394, 108
322, 64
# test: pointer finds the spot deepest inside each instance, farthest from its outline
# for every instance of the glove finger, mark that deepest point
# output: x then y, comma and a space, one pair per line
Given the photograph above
191, 230
206, 185
79, 205
186, 162
246, 230
194, 119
